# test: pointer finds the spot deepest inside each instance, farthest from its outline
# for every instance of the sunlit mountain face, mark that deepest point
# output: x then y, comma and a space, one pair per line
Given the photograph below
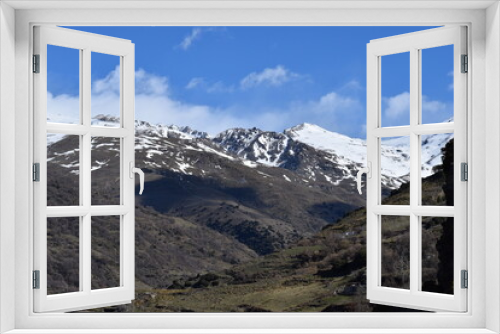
215, 203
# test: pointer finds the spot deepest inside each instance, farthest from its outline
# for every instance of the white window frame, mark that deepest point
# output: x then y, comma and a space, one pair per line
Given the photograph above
414, 43
482, 18
86, 44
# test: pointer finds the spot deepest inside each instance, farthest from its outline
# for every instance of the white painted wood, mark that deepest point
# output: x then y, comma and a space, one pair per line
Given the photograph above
94, 131
407, 210
259, 331
373, 103
127, 242
413, 43
247, 4
86, 298
7, 167
85, 186
415, 167
491, 162
471, 322
419, 129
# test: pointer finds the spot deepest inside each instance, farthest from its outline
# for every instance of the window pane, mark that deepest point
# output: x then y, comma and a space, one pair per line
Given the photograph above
105, 252
105, 90
105, 171
437, 254
63, 85
395, 169
63, 255
63, 170
437, 169
437, 84
395, 90
395, 251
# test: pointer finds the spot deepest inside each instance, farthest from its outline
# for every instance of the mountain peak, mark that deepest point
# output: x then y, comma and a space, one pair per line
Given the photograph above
305, 126
312, 134
107, 118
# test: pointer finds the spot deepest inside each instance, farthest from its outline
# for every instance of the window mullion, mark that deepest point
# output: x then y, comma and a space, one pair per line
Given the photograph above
86, 147
85, 238
85, 255
414, 169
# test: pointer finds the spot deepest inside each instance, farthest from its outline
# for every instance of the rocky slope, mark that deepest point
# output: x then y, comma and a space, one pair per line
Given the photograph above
212, 203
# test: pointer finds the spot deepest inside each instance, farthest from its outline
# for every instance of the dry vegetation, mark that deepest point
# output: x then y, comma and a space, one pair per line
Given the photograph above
215, 245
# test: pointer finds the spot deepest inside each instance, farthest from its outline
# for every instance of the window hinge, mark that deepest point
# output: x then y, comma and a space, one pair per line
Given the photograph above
36, 63
465, 64
464, 171
465, 279
36, 172
36, 279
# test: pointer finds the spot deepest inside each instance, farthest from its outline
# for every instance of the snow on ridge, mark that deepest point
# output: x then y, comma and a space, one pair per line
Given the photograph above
263, 147
168, 131
160, 130
353, 149
253, 147
54, 138
395, 151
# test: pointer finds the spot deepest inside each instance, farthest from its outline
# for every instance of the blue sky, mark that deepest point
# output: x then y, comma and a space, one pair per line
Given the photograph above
212, 78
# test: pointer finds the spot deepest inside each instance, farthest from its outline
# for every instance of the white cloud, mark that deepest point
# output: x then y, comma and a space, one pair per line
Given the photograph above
154, 104
201, 83
351, 86
363, 129
189, 39
270, 76
150, 84
195, 83
334, 102
451, 86
195, 35
145, 82
63, 108
109, 84
397, 105
432, 106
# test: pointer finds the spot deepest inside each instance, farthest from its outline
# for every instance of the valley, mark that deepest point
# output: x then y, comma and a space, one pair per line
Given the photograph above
246, 220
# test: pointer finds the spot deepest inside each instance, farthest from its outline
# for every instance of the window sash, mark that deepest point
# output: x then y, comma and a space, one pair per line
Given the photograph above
413, 43
313, 16
86, 297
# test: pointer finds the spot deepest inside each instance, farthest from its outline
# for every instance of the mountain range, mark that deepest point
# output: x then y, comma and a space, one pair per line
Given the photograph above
214, 202
254, 147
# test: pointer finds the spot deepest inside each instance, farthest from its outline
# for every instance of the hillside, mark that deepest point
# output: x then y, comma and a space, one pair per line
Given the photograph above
322, 273
218, 212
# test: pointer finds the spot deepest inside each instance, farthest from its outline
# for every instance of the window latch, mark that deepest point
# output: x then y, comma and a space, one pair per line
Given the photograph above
133, 171
365, 170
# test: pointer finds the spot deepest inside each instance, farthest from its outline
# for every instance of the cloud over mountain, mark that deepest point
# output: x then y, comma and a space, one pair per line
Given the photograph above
276, 76
156, 104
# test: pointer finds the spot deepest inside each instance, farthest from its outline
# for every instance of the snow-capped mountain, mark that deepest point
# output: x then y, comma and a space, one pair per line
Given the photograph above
351, 149
314, 154
265, 190
395, 151
280, 150
170, 131
267, 148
